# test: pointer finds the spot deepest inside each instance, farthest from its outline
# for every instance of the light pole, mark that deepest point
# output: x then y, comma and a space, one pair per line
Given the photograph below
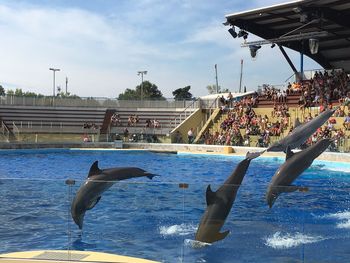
144, 72
54, 81
216, 78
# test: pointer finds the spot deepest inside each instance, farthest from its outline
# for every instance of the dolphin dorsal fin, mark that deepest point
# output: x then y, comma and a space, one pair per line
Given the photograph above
94, 170
297, 123
210, 196
289, 152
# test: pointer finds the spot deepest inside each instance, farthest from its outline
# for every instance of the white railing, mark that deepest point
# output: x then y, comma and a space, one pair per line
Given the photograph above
184, 114
92, 102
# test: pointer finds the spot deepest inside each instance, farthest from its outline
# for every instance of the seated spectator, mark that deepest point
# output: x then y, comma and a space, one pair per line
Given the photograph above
346, 123
131, 121
86, 138
115, 120
156, 123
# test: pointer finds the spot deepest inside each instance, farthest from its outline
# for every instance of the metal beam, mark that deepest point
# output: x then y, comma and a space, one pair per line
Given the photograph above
297, 46
289, 61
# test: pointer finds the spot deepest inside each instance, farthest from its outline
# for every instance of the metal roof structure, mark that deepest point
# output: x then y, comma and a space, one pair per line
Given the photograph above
293, 24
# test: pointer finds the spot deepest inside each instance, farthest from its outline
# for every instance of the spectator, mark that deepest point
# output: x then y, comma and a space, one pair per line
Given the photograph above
126, 134
346, 123
190, 135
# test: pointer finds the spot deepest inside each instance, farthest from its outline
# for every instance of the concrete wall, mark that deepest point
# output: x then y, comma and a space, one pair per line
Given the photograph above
173, 147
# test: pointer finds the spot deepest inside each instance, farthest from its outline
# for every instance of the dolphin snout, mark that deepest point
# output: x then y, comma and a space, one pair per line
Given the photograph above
151, 175
271, 198
79, 220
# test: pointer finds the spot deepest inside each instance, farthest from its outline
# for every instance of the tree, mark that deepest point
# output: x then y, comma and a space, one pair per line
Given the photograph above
18, 92
212, 89
182, 93
129, 94
67, 95
2, 91
149, 92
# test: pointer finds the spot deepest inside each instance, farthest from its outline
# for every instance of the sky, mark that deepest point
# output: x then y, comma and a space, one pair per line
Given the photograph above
100, 45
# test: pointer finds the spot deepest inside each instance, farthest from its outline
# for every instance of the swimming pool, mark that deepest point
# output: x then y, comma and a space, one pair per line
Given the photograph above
156, 219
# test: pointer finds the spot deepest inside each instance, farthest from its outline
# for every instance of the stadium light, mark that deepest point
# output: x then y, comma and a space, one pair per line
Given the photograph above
54, 78
144, 72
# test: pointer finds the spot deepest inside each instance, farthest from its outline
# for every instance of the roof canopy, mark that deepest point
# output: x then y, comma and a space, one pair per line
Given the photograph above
328, 21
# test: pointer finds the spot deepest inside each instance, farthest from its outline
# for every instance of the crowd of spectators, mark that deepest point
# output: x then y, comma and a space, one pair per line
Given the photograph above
242, 122
322, 91
274, 94
133, 121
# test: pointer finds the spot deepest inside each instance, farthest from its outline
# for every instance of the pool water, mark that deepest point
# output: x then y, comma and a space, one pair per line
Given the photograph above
156, 219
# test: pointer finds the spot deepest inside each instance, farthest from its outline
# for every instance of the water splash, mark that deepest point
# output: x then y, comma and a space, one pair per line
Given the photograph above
343, 217
195, 243
178, 230
284, 241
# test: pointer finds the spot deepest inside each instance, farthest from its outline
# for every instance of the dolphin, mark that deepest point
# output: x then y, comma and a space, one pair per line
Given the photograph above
301, 132
295, 165
219, 203
89, 194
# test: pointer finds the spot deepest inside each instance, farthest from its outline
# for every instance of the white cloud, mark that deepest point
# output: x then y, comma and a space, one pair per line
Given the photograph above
178, 42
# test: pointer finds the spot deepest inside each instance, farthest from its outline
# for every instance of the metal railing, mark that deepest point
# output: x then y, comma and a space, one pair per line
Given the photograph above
5, 131
185, 114
94, 102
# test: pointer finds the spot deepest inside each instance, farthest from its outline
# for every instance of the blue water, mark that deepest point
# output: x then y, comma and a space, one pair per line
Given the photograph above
157, 220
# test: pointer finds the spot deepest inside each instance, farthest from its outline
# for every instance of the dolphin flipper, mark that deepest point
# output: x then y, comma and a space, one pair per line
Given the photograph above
220, 236
289, 153
251, 156
93, 203
210, 196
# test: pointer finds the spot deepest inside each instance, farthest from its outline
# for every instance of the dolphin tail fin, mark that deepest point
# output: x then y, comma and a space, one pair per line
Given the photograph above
251, 156
220, 236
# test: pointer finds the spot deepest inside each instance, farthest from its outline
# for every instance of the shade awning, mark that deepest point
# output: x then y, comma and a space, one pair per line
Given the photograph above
303, 17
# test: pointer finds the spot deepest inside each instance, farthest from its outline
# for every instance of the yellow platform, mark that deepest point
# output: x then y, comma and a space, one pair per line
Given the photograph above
50, 256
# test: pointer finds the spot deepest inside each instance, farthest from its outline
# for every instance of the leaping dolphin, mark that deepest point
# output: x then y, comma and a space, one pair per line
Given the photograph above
301, 132
219, 203
295, 165
89, 194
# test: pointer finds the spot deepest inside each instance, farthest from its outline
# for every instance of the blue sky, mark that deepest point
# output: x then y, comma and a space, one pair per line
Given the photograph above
101, 44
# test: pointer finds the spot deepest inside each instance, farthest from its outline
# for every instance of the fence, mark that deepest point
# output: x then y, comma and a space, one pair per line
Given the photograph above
95, 102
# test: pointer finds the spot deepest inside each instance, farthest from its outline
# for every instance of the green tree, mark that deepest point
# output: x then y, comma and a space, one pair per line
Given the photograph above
212, 89
182, 93
129, 94
18, 92
2, 91
10, 92
150, 91
67, 95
